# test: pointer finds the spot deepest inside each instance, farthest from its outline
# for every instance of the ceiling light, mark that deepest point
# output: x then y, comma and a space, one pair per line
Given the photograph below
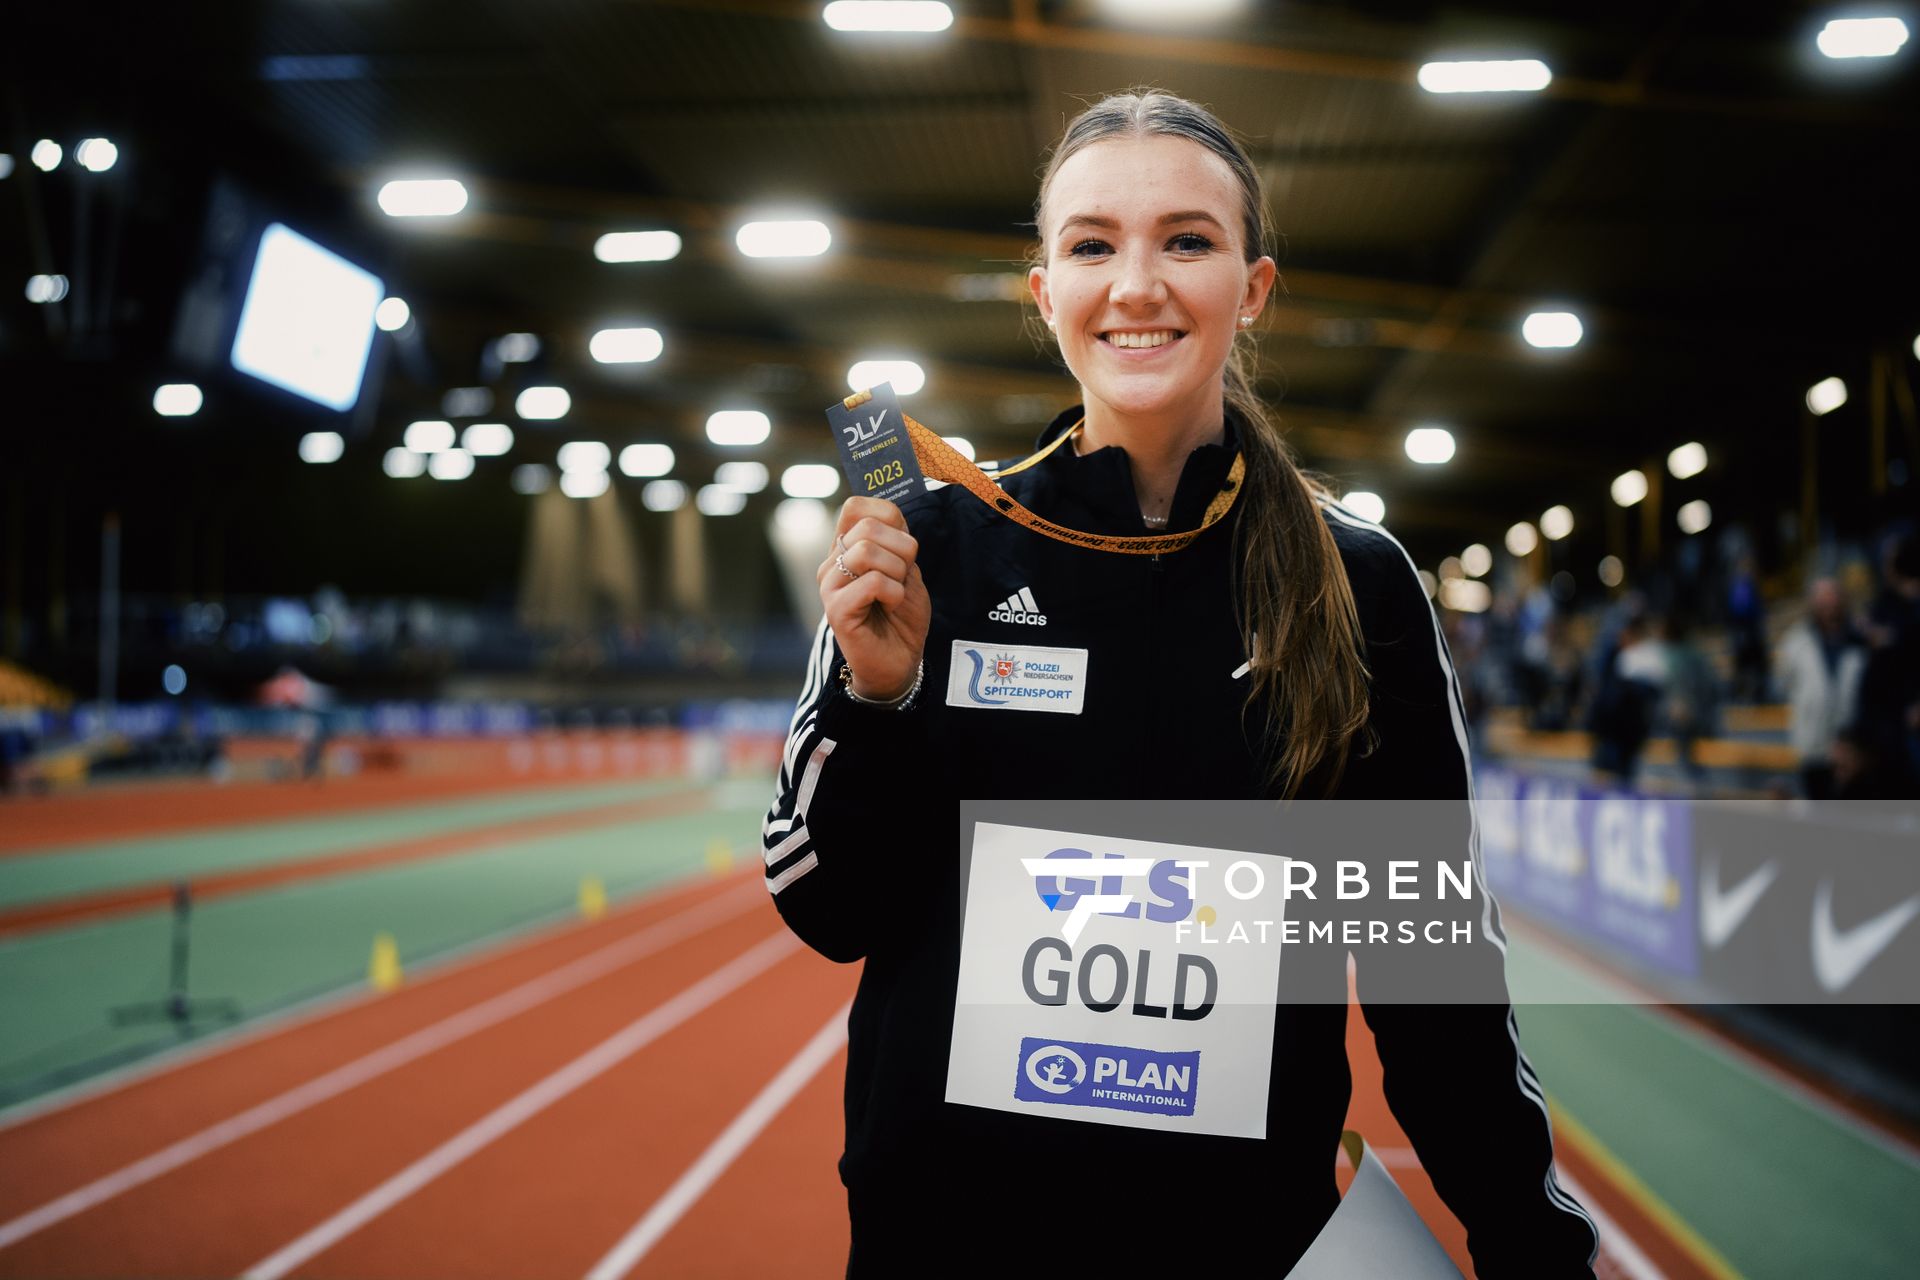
646, 460
96, 155
322, 447
487, 439
6, 166
1476, 560
1695, 516
718, 500
1612, 572
1368, 506
1552, 329
583, 455
1522, 539
625, 346
1430, 446
810, 480
1465, 595
422, 198
1556, 523
637, 246
961, 445
1826, 395
906, 376
919, 16
1525, 75
46, 288
516, 348
530, 478
739, 427
663, 495
1687, 461
403, 464
803, 516
1451, 568
429, 436
46, 155
1629, 487
1862, 37
177, 400
392, 314
747, 477
543, 404
584, 484
450, 464
803, 238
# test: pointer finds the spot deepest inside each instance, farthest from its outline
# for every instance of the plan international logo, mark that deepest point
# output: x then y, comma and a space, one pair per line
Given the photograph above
1071, 1073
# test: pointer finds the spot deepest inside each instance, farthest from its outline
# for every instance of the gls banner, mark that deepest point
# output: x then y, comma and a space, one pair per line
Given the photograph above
1117, 981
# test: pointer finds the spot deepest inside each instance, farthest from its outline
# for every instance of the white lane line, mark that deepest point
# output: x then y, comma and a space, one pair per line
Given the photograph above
515, 1000
725, 1149
1614, 1242
510, 1115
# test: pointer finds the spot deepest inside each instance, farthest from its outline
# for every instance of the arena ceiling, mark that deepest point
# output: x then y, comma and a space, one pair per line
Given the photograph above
1729, 214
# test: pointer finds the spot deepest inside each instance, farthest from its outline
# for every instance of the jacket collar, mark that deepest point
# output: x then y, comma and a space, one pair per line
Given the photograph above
1102, 480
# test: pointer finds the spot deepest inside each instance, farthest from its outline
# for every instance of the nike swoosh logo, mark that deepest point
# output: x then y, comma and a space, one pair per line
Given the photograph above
1722, 913
1840, 954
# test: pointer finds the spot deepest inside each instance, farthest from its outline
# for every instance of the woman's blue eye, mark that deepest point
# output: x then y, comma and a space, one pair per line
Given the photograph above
1093, 245
1189, 242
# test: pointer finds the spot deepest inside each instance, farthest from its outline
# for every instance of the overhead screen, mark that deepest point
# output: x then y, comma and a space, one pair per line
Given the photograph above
307, 323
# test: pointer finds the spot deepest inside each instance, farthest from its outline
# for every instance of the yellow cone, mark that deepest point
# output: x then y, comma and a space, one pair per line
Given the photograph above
593, 898
384, 969
719, 856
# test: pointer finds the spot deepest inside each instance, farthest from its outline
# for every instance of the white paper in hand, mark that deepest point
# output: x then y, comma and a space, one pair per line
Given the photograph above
1375, 1234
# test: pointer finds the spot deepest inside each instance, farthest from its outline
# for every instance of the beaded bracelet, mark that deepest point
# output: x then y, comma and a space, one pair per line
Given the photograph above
900, 703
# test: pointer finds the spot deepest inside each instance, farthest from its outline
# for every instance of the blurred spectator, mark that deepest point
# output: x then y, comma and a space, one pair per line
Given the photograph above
1747, 628
1631, 680
1821, 663
1888, 722
1692, 704
1861, 771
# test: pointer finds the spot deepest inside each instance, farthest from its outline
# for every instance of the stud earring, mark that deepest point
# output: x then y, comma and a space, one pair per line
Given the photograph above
1246, 322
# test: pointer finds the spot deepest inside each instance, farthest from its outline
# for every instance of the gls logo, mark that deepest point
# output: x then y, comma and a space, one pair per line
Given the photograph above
1169, 881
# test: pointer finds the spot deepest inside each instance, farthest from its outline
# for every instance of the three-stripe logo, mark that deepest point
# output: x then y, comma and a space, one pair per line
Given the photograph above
1019, 607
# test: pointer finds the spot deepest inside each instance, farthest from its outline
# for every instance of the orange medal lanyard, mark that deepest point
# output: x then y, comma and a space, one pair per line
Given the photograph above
941, 461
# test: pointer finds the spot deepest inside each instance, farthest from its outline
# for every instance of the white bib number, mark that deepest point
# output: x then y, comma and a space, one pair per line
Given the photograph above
1118, 981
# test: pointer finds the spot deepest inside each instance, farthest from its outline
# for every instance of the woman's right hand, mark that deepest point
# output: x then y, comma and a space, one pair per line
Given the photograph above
880, 614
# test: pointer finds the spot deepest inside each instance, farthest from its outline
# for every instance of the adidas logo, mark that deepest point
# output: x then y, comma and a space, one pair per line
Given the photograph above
1019, 607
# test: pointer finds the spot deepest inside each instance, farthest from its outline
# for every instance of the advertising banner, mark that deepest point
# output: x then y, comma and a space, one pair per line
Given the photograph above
1615, 867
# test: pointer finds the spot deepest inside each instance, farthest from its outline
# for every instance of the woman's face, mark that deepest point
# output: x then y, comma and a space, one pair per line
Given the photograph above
1146, 275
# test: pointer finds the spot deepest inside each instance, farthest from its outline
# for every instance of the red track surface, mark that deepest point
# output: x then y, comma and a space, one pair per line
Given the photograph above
34, 824
552, 1196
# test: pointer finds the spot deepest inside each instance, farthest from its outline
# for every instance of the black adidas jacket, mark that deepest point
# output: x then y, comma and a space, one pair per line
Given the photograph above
861, 851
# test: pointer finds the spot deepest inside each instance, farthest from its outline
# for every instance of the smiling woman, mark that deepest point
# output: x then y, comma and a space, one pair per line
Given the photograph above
961, 655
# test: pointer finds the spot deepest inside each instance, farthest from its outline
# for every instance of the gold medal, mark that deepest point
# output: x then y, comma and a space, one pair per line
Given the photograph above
941, 461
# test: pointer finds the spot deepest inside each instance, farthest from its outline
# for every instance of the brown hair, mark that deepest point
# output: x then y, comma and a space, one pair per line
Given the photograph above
1296, 610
